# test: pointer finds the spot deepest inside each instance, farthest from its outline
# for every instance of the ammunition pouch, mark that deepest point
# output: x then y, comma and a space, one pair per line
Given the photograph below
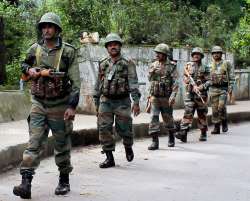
50, 87
219, 80
160, 89
115, 88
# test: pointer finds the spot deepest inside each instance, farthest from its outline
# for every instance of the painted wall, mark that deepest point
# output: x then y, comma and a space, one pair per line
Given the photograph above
242, 84
14, 106
11, 109
89, 56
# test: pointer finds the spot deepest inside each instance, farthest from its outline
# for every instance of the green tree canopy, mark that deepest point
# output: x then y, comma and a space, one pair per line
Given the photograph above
176, 22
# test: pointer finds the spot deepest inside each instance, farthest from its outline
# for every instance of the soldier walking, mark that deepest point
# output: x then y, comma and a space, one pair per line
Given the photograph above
55, 84
163, 78
196, 82
117, 80
222, 81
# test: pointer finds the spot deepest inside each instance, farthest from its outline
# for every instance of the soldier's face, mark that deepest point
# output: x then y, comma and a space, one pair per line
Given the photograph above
160, 57
114, 49
49, 31
196, 57
217, 55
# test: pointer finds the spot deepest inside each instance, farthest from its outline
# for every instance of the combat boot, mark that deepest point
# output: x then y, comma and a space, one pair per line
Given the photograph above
203, 136
109, 162
63, 186
224, 126
155, 143
129, 153
171, 139
216, 129
182, 135
24, 189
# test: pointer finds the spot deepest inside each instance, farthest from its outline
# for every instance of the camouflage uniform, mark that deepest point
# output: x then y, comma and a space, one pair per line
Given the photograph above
51, 96
163, 84
114, 84
49, 112
201, 76
163, 78
222, 80
117, 79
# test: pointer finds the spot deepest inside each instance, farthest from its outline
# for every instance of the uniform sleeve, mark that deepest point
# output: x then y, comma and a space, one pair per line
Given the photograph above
175, 86
29, 60
74, 77
231, 75
186, 79
207, 75
150, 77
133, 83
151, 70
97, 92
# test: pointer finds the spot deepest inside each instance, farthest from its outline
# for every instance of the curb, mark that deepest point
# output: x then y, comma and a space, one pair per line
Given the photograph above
12, 156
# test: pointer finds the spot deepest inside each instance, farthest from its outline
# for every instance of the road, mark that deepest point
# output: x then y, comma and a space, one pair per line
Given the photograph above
215, 170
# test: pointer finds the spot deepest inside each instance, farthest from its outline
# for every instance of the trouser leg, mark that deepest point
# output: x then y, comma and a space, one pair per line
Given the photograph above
38, 133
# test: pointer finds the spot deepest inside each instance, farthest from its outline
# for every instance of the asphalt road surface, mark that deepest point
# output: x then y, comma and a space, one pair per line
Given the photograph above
216, 170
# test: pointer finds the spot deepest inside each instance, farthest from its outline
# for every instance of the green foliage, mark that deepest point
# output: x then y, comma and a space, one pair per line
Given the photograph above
241, 38
141, 22
78, 16
13, 72
19, 33
212, 29
17, 28
178, 23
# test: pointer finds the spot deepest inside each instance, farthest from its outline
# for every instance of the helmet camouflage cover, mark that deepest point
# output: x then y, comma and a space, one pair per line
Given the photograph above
197, 50
162, 48
113, 37
217, 49
50, 18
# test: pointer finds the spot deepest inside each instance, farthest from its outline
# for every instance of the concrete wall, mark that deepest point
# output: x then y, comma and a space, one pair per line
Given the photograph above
14, 105
242, 84
143, 56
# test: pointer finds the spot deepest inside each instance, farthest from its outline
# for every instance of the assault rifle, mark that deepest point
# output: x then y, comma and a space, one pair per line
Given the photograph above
192, 82
51, 73
148, 107
43, 72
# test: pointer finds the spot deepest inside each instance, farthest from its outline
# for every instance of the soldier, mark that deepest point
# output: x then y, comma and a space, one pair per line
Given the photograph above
222, 81
196, 81
117, 79
55, 84
163, 80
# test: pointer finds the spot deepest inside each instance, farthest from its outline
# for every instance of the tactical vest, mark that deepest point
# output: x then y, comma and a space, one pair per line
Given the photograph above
114, 79
50, 87
161, 83
219, 78
198, 73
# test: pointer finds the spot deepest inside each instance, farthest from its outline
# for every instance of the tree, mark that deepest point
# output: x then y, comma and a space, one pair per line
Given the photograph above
241, 38
2, 52
15, 27
178, 23
80, 15
3, 5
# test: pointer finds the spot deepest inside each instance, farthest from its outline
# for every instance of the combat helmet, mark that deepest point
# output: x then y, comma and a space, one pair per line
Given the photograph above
217, 49
50, 18
162, 48
112, 37
197, 50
